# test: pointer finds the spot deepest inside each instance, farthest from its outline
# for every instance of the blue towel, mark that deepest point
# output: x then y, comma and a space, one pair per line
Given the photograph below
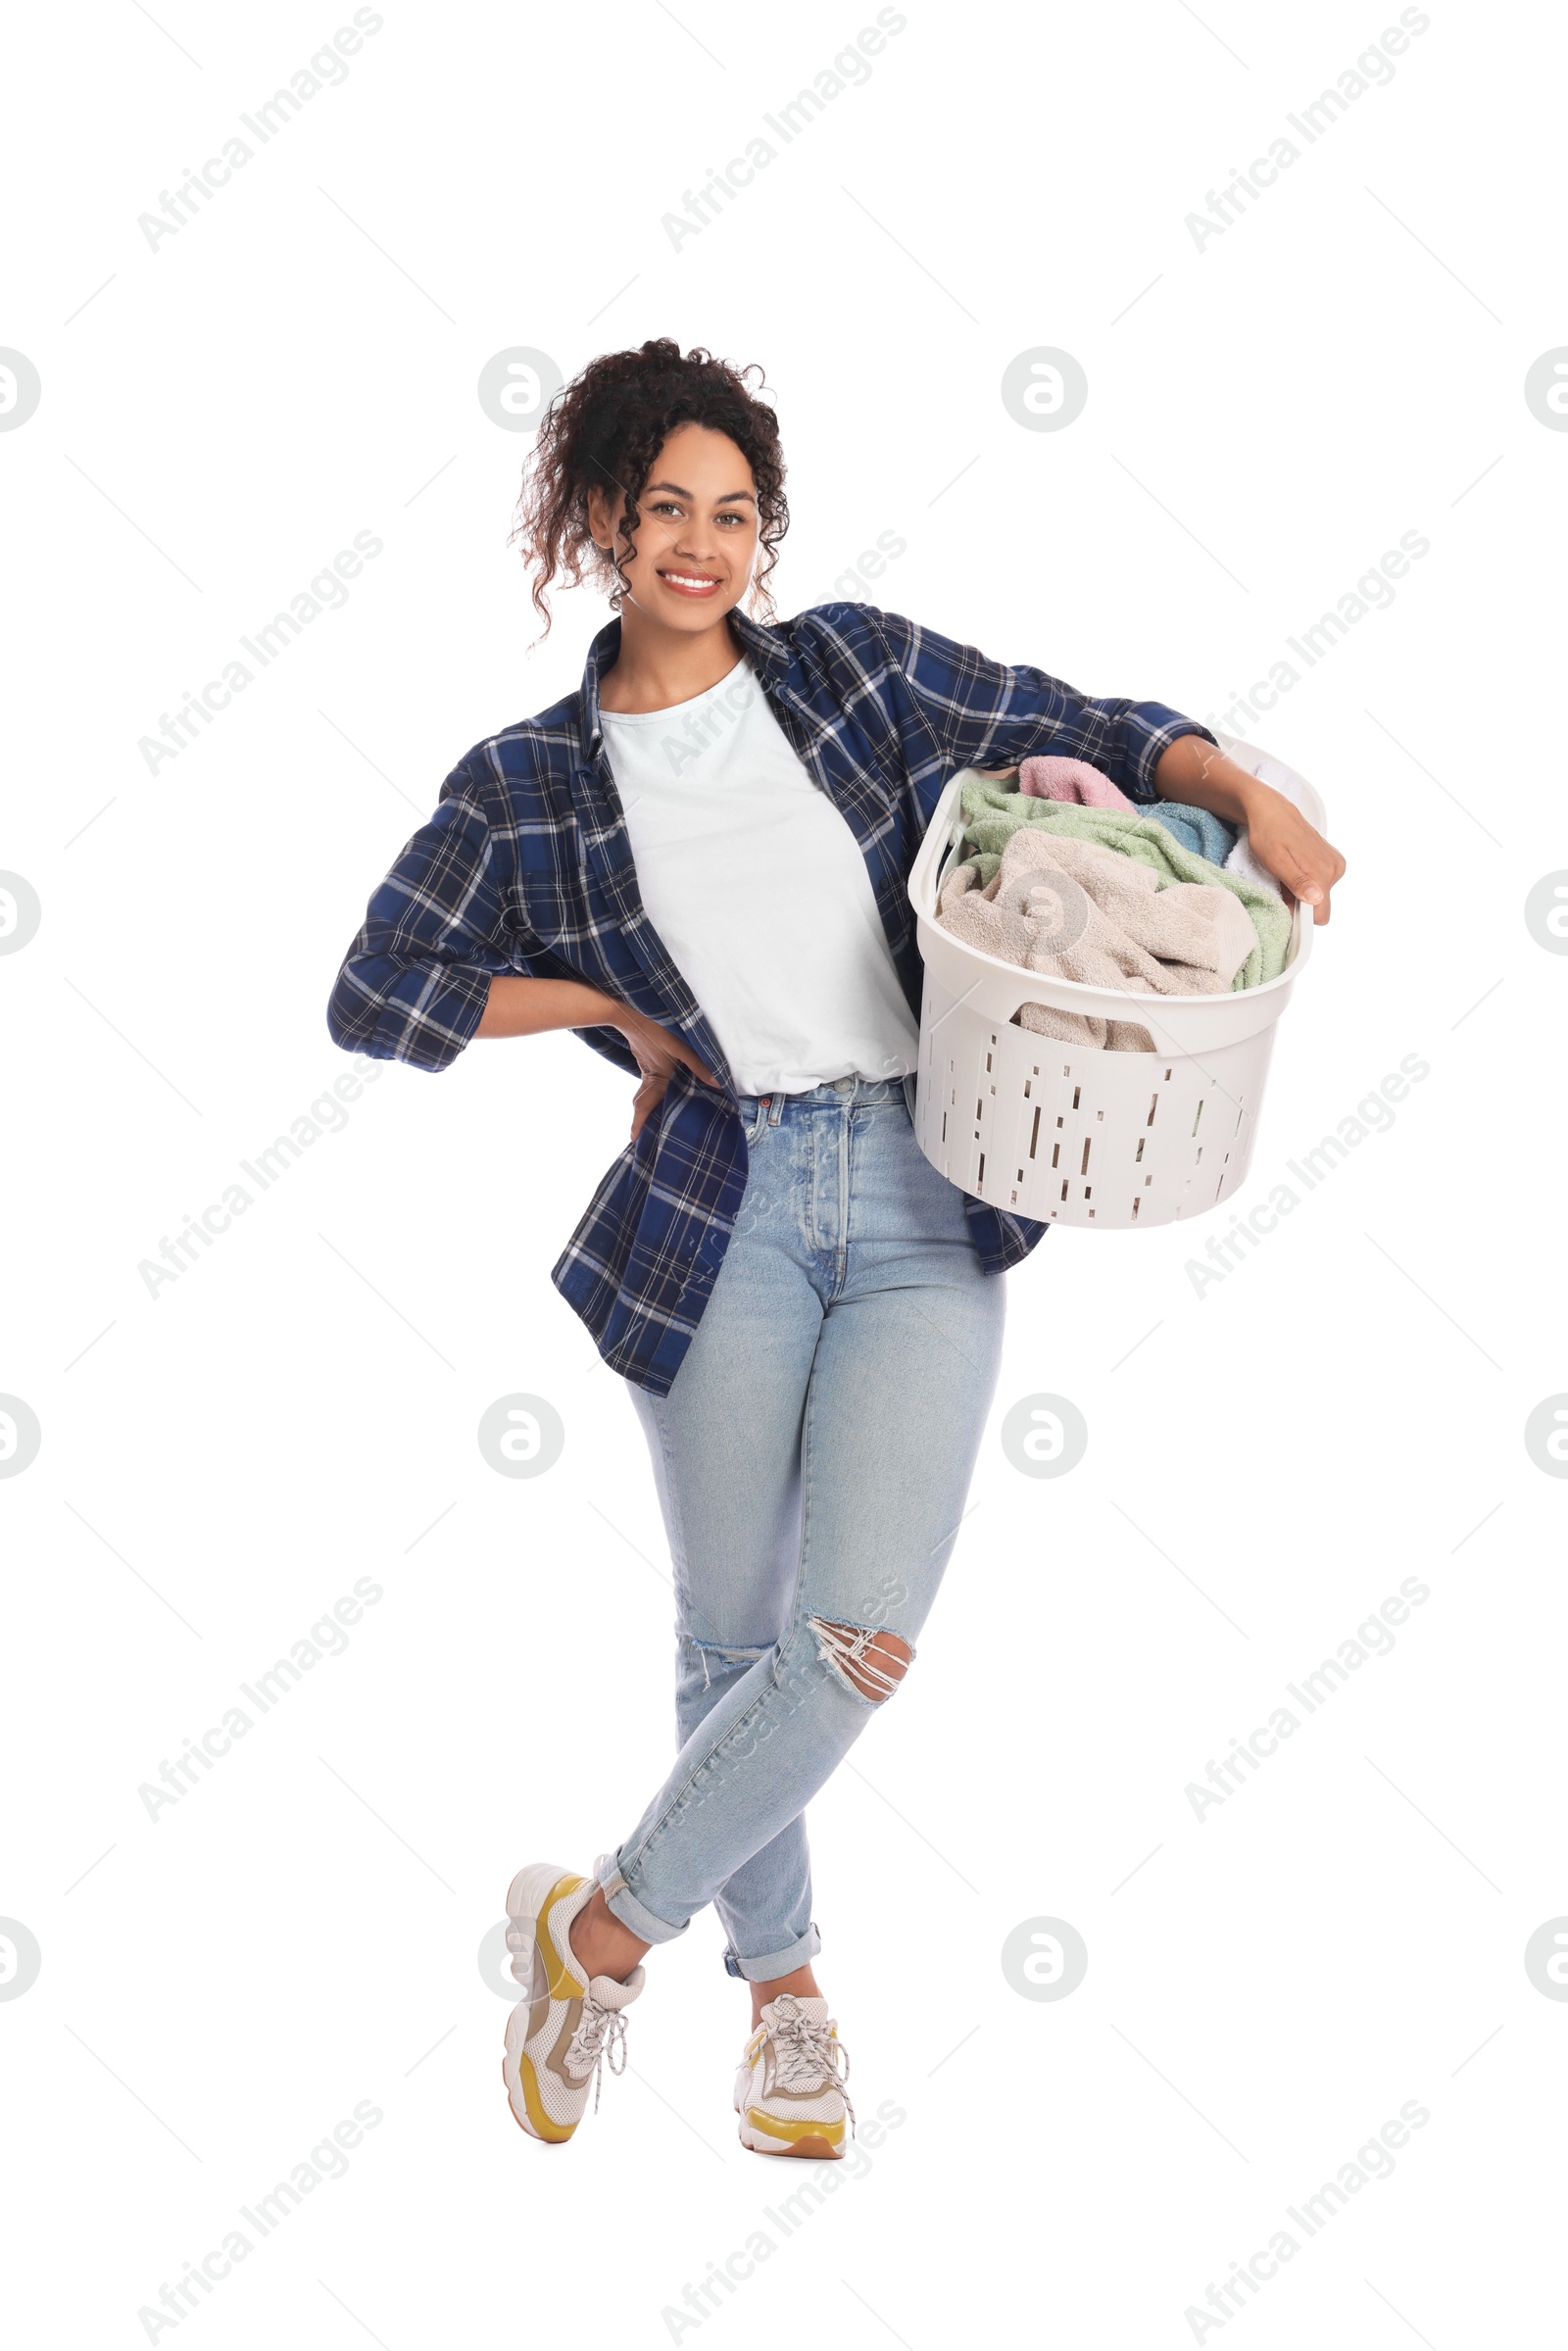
1197, 829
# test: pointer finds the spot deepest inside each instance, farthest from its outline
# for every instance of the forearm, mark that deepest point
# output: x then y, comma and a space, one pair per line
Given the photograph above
1192, 770
526, 1008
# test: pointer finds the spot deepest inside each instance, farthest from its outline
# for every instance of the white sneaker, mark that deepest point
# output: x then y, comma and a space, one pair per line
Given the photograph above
559, 2034
788, 2092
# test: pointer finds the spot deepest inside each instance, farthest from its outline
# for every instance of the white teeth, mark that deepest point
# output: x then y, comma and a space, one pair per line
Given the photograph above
684, 579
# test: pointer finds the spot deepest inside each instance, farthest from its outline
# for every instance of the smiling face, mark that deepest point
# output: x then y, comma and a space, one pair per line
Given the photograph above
695, 543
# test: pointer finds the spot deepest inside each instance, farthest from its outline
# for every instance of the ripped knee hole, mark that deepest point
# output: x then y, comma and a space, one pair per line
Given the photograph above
872, 1661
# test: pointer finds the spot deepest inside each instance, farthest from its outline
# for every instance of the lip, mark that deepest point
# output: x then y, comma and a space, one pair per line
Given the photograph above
694, 595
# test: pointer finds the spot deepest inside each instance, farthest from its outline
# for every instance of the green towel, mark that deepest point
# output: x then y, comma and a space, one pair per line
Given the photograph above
992, 815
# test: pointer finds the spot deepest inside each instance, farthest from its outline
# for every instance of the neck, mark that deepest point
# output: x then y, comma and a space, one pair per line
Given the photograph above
657, 666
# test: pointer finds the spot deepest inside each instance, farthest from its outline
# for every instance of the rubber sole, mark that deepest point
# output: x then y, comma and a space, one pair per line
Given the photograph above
812, 2148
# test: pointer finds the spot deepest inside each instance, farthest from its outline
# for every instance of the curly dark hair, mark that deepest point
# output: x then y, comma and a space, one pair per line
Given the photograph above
604, 429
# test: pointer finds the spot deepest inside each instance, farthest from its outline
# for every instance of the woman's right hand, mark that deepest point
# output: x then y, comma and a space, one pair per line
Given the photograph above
520, 1006
659, 1053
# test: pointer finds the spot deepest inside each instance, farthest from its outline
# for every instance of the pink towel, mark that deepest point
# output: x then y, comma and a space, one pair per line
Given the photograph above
1070, 779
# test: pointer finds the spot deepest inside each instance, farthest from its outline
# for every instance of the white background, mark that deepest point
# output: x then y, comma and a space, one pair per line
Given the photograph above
219, 1463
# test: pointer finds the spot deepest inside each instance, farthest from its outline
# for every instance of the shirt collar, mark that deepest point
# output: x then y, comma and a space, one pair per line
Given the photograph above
765, 648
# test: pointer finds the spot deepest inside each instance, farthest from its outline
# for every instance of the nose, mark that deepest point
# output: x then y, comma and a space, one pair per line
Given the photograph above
696, 540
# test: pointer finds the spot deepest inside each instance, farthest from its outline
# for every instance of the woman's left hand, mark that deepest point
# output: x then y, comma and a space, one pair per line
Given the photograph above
1289, 847
1194, 769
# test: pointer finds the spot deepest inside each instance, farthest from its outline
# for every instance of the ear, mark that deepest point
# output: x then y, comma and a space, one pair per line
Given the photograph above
601, 518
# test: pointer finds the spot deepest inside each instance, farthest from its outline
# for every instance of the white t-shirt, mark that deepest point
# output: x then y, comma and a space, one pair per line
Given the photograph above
759, 891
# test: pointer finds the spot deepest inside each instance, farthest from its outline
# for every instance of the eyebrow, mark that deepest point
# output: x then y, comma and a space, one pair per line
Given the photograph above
727, 498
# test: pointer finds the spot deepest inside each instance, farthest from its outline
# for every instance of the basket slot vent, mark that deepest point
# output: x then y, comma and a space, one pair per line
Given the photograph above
1199, 1115
1056, 1154
1084, 1166
1154, 1105
1138, 1152
1137, 1201
1034, 1132
1076, 1094
981, 1177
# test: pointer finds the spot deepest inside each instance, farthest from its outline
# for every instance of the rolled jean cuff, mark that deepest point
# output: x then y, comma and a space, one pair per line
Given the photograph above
619, 1898
774, 1962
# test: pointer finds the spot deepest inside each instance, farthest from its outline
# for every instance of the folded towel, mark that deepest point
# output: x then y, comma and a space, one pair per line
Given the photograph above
992, 815
1085, 913
1050, 779
1197, 829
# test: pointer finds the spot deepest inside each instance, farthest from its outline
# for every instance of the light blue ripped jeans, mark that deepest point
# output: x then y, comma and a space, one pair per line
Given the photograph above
812, 1459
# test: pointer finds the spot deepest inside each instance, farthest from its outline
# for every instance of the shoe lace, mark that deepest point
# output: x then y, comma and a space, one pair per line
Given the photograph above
807, 2053
601, 2035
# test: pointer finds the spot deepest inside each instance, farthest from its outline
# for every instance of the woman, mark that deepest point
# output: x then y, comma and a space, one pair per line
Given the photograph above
698, 861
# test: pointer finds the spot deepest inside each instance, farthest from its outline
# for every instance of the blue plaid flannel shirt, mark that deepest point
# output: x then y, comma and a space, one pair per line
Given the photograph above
526, 867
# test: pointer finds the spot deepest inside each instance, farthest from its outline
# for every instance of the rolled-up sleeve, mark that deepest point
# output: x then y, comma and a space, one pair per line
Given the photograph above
413, 984
987, 713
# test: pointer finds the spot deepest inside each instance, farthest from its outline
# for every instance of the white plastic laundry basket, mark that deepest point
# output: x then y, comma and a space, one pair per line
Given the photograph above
1073, 1134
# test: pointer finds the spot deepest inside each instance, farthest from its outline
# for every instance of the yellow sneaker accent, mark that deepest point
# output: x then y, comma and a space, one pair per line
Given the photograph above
557, 2133
559, 1967
773, 2127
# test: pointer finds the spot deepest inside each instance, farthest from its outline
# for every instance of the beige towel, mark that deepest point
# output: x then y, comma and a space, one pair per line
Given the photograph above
1088, 914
